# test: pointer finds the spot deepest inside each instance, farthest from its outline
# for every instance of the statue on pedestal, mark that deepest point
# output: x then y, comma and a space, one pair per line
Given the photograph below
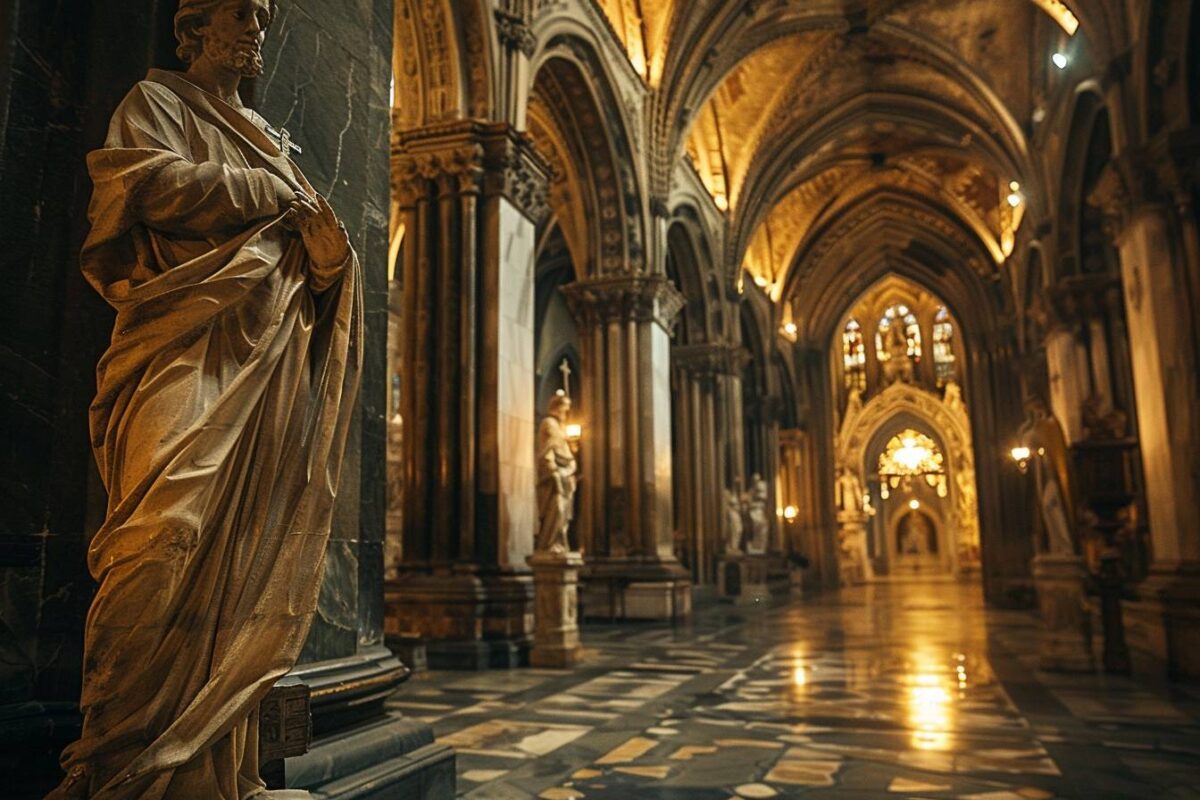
849, 491
757, 514
219, 424
557, 468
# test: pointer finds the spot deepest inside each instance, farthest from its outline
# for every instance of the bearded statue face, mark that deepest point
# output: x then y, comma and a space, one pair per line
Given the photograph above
229, 33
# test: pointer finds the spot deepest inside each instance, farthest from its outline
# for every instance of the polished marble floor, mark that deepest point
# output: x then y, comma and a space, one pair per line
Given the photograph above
901, 690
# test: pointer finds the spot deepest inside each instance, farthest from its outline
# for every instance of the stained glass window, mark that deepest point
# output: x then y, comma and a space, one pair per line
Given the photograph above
854, 356
943, 347
912, 332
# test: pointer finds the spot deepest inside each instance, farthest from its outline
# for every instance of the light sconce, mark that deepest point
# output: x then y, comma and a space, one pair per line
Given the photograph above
1014, 195
790, 513
574, 432
1021, 455
914, 504
790, 329
1060, 60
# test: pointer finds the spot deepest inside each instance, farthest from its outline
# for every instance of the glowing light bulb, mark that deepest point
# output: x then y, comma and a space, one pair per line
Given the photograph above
790, 329
914, 504
1060, 60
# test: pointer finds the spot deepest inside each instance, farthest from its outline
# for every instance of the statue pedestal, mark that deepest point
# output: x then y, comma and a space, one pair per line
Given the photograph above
1066, 641
854, 565
744, 578
556, 614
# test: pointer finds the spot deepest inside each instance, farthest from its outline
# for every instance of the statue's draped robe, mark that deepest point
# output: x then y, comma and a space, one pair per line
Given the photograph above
556, 486
219, 426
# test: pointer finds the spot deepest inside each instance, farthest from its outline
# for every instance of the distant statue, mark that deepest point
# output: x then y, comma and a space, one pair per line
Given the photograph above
916, 535
757, 514
952, 397
222, 411
898, 367
854, 404
1045, 437
734, 525
849, 491
557, 470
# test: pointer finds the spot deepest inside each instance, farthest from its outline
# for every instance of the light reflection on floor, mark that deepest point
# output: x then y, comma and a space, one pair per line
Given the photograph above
889, 691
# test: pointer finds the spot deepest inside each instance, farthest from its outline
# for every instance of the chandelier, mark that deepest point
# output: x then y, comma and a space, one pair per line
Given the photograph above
910, 455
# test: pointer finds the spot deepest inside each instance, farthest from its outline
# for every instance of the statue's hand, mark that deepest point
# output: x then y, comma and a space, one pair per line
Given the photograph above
324, 236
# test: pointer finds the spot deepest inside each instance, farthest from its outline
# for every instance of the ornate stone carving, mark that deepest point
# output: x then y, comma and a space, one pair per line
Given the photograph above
514, 33
707, 360
471, 156
638, 298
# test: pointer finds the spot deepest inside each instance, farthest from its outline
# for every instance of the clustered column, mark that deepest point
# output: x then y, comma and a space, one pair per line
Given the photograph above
625, 524
1148, 198
470, 194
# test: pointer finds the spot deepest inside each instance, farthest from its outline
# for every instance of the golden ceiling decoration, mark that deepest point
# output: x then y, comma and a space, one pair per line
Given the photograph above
912, 455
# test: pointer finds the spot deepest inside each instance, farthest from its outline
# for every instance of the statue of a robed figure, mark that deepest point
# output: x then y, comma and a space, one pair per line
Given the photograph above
556, 473
219, 424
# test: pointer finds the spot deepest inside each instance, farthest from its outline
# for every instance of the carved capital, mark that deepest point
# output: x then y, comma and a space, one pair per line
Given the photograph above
1073, 302
599, 301
514, 33
469, 157
709, 360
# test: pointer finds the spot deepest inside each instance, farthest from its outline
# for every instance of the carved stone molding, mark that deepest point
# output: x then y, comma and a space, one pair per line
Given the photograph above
471, 156
626, 298
705, 360
1164, 172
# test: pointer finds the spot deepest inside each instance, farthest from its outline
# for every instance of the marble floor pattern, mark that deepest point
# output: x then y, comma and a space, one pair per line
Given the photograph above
901, 690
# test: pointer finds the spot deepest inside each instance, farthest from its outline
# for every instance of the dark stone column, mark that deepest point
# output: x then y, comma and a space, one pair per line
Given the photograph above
470, 193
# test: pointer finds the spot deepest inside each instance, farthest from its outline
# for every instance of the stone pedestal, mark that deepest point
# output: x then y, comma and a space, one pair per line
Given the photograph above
744, 578
854, 566
556, 614
1066, 640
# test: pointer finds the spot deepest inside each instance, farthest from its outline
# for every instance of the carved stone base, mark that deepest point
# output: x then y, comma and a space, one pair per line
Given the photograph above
556, 618
745, 579
636, 589
1066, 640
1165, 619
467, 620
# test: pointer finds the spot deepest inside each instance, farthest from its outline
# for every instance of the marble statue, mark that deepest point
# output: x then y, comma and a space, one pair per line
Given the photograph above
221, 416
757, 514
734, 525
556, 469
849, 491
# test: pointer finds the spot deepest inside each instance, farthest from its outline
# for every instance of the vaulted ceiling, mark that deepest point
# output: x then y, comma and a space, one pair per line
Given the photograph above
830, 118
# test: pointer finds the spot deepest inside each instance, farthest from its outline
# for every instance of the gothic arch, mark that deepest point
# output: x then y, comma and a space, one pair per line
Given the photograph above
442, 67
863, 426
577, 123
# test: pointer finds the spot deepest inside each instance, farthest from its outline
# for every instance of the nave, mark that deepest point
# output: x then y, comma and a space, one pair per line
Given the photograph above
907, 690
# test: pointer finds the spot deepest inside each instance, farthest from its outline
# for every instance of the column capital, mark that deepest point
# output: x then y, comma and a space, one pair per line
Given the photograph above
514, 33
711, 359
639, 298
492, 157
1075, 300
1164, 172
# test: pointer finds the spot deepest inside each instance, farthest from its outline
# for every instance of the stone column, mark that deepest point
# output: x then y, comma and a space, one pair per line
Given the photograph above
470, 193
794, 541
625, 524
703, 442
1148, 198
